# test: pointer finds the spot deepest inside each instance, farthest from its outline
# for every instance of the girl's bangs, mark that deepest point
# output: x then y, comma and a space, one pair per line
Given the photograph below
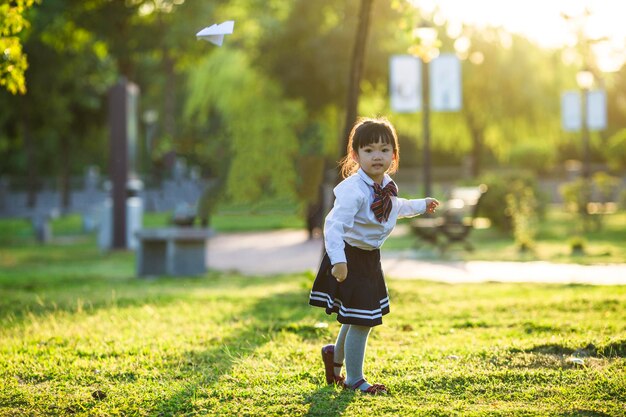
374, 133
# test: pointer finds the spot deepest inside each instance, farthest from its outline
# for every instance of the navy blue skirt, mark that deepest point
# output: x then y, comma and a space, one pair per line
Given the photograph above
361, 299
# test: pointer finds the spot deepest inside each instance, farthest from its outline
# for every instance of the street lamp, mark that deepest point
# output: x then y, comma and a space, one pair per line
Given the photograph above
426, 50
462, 46
584, 79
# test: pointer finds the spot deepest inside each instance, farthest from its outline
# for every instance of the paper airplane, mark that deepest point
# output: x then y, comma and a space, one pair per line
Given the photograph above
215, 33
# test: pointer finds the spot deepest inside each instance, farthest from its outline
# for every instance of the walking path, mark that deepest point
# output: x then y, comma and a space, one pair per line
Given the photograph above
290, 251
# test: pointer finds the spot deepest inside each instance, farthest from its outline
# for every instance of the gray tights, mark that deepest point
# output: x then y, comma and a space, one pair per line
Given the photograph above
350, 344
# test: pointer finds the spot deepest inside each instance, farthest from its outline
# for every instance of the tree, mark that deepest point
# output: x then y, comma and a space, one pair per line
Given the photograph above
153, 44
356, 69
13, 63
615, 150
260, 134
318, 55
616, 98
58, 120
310, 52
510, 95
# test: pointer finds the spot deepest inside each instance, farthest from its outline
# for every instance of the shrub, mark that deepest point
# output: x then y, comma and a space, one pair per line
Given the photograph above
604, 186
577, 245
521, 206
577, 195
494, 203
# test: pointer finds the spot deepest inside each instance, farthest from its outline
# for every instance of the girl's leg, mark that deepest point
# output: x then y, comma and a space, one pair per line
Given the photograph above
339, 347
355, 342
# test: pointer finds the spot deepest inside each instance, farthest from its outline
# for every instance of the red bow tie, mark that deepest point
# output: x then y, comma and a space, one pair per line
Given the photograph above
382, 200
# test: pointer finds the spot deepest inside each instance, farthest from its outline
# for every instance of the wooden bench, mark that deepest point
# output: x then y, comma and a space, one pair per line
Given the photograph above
174, 251
455, 223
595, 213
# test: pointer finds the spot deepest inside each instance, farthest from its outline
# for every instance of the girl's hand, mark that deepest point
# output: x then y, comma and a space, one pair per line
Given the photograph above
431, 204
340, 271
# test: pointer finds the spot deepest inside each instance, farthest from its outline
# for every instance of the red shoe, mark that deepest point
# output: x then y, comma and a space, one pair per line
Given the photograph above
376, 389
328, 357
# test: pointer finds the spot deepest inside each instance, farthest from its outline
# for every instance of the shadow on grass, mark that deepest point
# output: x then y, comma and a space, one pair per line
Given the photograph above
613, 349
327, 402
213, 379
584, 413
38, 281
31, 301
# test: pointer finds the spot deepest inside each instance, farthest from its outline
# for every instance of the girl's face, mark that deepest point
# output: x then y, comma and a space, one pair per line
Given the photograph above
375, 159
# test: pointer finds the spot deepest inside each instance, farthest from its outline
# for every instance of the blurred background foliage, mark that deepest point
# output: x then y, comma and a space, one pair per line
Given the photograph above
262, 113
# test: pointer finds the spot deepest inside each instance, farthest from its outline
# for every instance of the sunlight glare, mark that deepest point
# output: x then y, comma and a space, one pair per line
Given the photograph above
543, 22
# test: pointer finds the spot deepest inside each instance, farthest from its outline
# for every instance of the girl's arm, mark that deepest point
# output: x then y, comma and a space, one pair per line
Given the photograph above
348, 200
412, 208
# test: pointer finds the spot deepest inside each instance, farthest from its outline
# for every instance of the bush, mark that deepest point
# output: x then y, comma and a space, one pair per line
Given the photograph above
575, 195
521, 206
577, 245
495, 203
604, 187
578, 195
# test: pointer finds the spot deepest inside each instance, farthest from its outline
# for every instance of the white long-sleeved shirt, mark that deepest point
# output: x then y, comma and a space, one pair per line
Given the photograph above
353, 221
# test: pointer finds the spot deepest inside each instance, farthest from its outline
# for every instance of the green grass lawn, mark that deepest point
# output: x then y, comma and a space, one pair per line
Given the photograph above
81, 336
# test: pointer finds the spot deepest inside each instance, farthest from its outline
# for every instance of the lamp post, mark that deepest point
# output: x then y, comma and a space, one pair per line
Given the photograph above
584, 79
426, 50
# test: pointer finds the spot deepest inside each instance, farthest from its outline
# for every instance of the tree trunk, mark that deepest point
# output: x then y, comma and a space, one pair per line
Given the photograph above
65, 174
354, 83
356, 71
476, 132
32, 173
169, 98
477, 149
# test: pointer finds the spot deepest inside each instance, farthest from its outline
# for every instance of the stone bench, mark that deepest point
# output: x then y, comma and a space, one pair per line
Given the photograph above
174, 251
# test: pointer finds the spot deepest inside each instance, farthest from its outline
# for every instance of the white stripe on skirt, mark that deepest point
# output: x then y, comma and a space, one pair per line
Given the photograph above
350, 312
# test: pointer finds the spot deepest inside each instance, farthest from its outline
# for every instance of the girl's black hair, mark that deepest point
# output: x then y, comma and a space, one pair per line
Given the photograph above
365, 132
370, 132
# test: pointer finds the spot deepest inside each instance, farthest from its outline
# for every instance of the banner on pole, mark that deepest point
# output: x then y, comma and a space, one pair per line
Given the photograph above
445, 83
571, 110
596, 110
571, 115
404, 83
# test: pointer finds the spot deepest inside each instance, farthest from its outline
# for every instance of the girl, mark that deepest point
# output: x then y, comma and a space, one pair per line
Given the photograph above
350, 280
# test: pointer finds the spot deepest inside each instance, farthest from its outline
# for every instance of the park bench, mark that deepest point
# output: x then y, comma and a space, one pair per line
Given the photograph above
456, 221
595, 213
174, 251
